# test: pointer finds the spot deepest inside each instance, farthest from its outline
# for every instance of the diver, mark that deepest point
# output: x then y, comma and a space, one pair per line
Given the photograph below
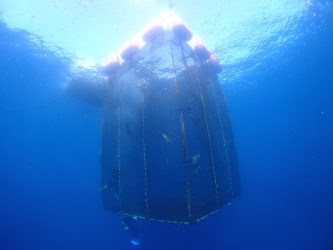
128, 223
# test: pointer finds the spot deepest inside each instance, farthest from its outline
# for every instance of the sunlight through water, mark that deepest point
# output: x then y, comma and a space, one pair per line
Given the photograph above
243, 33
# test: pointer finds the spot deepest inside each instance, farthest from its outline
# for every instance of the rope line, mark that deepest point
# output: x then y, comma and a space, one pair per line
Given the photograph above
144, 155
171, 5
119, 153
204, 110
209, 142
226, 151
183, 133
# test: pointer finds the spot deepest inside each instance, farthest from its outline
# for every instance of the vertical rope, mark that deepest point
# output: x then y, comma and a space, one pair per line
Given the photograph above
183, 133
226, 151
144, 155
209, 142
204, 110
119, 153
170, 5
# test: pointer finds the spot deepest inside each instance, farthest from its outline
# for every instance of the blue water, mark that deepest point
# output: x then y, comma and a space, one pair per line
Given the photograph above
282, 115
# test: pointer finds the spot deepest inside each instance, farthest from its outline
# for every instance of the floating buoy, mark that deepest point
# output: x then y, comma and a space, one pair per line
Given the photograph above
112, 65
129, 52
182, 32
152, 33
202, 51
215, 64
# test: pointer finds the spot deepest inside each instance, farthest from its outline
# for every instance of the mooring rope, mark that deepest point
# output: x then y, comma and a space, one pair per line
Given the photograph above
183, 133
144, 155
226, 151
204, 110
119, 154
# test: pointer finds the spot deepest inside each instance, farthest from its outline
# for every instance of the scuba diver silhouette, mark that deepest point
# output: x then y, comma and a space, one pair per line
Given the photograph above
128, 223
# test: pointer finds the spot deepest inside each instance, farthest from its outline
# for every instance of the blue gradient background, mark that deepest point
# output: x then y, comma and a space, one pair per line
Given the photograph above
278, 81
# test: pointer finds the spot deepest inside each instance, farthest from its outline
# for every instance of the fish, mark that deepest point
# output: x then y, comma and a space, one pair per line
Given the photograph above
195, 159
103, 188
167, 139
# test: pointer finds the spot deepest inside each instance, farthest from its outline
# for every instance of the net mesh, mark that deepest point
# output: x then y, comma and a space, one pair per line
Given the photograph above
168, 152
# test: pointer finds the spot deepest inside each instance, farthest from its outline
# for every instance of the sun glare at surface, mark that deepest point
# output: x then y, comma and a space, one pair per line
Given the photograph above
235, 30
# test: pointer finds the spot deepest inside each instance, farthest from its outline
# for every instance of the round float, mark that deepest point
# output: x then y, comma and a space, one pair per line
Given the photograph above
182, 32
129, 52
215, 64
112, 66
202, 51
152, 33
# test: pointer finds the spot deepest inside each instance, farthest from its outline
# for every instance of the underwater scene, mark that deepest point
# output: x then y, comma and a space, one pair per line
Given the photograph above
149, 124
